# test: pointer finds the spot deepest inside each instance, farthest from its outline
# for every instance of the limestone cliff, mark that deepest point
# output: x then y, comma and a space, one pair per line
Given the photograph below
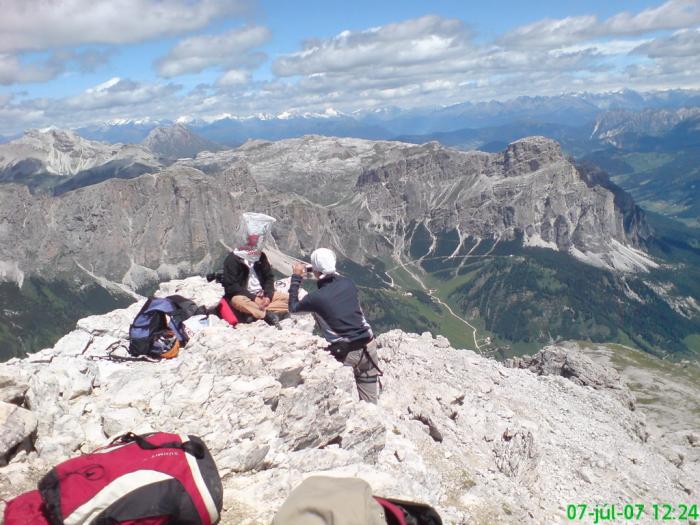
364, 198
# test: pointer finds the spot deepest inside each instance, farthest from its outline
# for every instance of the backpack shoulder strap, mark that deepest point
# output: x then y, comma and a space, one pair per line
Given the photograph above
191, 447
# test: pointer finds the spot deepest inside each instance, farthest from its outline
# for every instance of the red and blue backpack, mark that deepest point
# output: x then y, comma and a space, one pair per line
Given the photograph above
155, 479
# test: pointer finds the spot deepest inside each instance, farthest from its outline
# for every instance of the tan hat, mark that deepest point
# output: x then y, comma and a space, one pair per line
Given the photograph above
322, 500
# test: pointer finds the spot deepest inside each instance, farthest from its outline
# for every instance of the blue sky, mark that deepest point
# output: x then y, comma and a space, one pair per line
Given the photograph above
76, 62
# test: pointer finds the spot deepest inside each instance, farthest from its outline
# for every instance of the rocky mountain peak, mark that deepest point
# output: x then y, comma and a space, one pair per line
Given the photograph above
59, 151
54, 134
480, 442
63, 153
173, 132
176, 141
531, 154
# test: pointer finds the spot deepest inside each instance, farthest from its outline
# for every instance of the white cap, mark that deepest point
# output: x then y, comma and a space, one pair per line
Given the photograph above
323, 261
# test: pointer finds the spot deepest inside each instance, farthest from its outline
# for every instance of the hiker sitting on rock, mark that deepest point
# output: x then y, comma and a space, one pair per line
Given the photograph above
249, 284
337, 310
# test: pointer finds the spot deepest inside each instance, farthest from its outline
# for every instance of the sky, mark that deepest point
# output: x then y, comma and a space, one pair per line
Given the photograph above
71, 63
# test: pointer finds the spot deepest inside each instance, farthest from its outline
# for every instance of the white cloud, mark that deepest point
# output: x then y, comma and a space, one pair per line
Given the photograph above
428, 60
424, 61
44, 24
58, 26
12, 71
229, 50
88, 60
233, 77
684, 43
673, 14
433, 60
104, 86
418, 41
115, 93
674, 72
17, 116
612, 47
550, 33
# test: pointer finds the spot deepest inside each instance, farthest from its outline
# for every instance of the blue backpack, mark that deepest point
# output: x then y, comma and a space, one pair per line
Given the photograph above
155, 335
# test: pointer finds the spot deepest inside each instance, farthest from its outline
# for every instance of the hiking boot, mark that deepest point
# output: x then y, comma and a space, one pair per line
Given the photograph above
272, 319
245, 318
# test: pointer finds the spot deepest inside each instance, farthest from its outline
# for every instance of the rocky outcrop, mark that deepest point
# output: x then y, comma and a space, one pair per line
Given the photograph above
17, 426
577, 367
481, 442
12, 390
322, 169
171, 224
636, 227
376, 190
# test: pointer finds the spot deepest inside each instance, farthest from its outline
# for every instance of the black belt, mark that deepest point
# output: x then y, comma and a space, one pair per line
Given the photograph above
341, 349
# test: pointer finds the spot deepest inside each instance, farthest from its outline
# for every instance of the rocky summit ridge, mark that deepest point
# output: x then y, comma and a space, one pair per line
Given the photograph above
481, 442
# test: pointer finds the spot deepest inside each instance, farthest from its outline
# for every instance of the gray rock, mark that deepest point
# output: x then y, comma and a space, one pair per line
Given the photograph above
12, 389
576, 367
512, 445
516, 455
17, 426
288, 370
365, 434
121, 420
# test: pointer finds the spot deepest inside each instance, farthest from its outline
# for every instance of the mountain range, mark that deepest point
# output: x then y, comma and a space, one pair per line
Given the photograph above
571, 109
523, 245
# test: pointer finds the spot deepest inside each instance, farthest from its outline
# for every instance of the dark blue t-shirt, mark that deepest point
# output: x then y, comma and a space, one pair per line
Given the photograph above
337, 305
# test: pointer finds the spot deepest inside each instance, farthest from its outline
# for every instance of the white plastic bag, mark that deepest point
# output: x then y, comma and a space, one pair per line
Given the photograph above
194, 324
252, 234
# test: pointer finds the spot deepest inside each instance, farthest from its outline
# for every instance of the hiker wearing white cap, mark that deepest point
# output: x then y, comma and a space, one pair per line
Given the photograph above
336, 307
323, 261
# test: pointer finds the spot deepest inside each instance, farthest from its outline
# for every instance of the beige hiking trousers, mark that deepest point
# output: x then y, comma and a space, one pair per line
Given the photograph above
278, 304
364, 366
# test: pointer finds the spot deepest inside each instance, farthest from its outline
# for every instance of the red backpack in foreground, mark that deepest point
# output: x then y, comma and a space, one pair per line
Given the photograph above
400, 512
156, 479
